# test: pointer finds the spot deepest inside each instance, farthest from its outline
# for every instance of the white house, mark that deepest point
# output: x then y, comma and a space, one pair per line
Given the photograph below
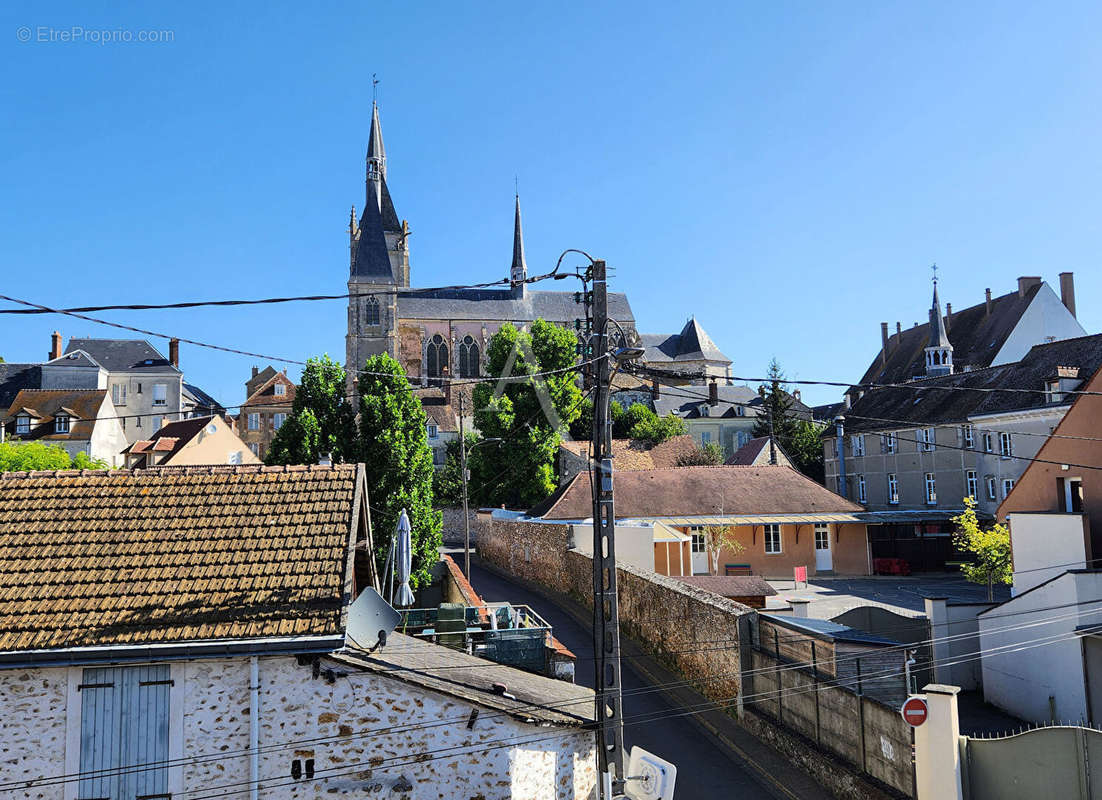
156, 642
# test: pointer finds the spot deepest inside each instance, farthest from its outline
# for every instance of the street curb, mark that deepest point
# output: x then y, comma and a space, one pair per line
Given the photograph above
584, 617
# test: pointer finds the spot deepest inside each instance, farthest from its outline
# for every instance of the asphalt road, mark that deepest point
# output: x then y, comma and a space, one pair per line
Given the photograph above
704, 770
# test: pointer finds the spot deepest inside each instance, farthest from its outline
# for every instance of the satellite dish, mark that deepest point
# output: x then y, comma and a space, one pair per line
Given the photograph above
212, 428
370, 620
649, 777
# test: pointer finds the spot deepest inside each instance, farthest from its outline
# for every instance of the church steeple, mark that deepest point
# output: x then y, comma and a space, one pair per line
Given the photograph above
518, 272
939, 351
376, 160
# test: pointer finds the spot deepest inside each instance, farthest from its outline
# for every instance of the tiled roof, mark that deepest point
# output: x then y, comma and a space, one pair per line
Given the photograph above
636, 454
265, 394
975, 335
756, 451
85, 404
171, 438
731, 585
699, 491
123, 355
934, 401
137, 558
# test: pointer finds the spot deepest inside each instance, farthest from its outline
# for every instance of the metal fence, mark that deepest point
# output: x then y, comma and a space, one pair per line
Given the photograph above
1052, 762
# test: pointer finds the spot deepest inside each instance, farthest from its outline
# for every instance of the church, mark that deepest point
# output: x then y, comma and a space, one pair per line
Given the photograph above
436, 333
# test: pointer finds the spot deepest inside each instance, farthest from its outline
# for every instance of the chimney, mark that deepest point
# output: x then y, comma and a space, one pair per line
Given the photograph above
1027, 282
256, 370
884, 344
174, 352
987, 294
948, 314
898, 332
655, 390
447, 393
713, 394
799, 606
1067, 291
55, 346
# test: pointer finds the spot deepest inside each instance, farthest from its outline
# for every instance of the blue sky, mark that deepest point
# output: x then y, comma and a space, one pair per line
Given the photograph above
786, 172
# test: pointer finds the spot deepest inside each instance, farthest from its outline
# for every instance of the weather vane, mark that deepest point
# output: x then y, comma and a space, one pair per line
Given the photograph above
934, 268
374, 91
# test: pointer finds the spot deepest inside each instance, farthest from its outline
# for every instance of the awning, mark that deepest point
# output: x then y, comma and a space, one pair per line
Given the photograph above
664, 533
764, 519
916, 515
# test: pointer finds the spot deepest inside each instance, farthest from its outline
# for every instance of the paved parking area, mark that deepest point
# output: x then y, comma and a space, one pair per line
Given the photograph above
829, 597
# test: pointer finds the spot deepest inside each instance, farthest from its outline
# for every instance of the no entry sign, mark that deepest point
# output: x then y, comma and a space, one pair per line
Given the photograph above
915, 711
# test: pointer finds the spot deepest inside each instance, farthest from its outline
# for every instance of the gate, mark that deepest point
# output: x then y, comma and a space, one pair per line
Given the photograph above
1051, 762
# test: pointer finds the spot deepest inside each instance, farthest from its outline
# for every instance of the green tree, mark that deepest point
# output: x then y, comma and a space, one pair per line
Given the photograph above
710, 455
656, 429
989, 548
718, 538
24, 456
805, 448
581, 429
528, 413
797, 436
322, 421
447, 482
394, 448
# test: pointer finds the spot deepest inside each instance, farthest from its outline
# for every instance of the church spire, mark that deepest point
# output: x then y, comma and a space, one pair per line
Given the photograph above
376, 159
939, 351
518, 272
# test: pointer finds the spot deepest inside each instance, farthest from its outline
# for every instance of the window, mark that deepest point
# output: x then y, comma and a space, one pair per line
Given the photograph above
1052, 391
988, 447
280, 390
927, 439
861, 489
254, 422
740, 411
931, 489
160, 394
889, 442
822, 536
436, 359
772, 534
703, 410
699, 544
23, 424
439, 456
991, 487
432, 430
893, 488
235, 457
255, 447
1006, 445
139, 389
857, 444
967, 435
278, 420
138, 421
972, 483
371, 311
469, 364
1008, 486
705, 437
61, 423
118, 394
158, 421
124, 719
1072, 495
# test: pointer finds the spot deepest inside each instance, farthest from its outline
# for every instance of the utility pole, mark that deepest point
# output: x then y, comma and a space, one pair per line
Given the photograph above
606, 617
463, 475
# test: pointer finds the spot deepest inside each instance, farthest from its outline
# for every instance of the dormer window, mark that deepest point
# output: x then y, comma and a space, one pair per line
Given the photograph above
704, 411
1052, 391
280, 390
432, 430
61, 423
23, 424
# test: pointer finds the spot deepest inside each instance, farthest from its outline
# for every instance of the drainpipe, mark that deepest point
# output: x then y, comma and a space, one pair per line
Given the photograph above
839, 431
254, 728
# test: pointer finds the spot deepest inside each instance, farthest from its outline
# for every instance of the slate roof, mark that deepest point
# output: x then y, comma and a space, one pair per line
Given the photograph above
503, 304
85, 404
730, 585
692, 344
934, 401
16, 377
137, 558
171, 438
452, 672
685, 402
122, 355
831, 631
388, 214
698, 491
976, 339
371, 259
202, 399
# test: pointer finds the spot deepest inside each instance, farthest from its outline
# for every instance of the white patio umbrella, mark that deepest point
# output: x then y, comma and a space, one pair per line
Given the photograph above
404, 561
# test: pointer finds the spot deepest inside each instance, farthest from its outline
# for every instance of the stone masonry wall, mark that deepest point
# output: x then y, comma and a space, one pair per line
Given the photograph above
453, 525
368, 736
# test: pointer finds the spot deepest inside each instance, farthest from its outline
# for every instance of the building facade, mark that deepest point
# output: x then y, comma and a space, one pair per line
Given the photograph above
434, 334
269, 398
76, 420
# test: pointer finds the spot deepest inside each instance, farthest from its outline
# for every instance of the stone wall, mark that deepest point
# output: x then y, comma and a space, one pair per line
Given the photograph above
367, 735
453, 525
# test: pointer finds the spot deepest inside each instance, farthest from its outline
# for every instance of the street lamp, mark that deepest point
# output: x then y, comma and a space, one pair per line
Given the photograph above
466, 476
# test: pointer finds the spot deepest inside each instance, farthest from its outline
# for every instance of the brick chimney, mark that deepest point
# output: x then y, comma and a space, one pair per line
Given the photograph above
884, 344
898, 331
655, 390
55, 346
713, 394
174, 352
1067, 291
987, 294
948, 314
256, 370
1027, 282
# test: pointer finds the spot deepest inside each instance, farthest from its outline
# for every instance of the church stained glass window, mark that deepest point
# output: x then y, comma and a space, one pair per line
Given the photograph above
437, 358
371, 311
468, 358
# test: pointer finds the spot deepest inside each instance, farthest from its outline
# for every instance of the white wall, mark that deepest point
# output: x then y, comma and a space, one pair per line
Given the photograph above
210, 709
954, 628
1022, 678
63, 376
108, 438
634, 543
1045, 317
1045, 545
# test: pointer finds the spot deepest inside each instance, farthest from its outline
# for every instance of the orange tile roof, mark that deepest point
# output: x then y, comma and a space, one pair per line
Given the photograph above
92, 558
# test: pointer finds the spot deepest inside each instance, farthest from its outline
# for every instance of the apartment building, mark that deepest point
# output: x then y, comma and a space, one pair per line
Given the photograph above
270, 395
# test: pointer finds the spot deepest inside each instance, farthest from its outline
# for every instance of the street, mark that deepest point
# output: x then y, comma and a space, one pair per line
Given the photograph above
704, 770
